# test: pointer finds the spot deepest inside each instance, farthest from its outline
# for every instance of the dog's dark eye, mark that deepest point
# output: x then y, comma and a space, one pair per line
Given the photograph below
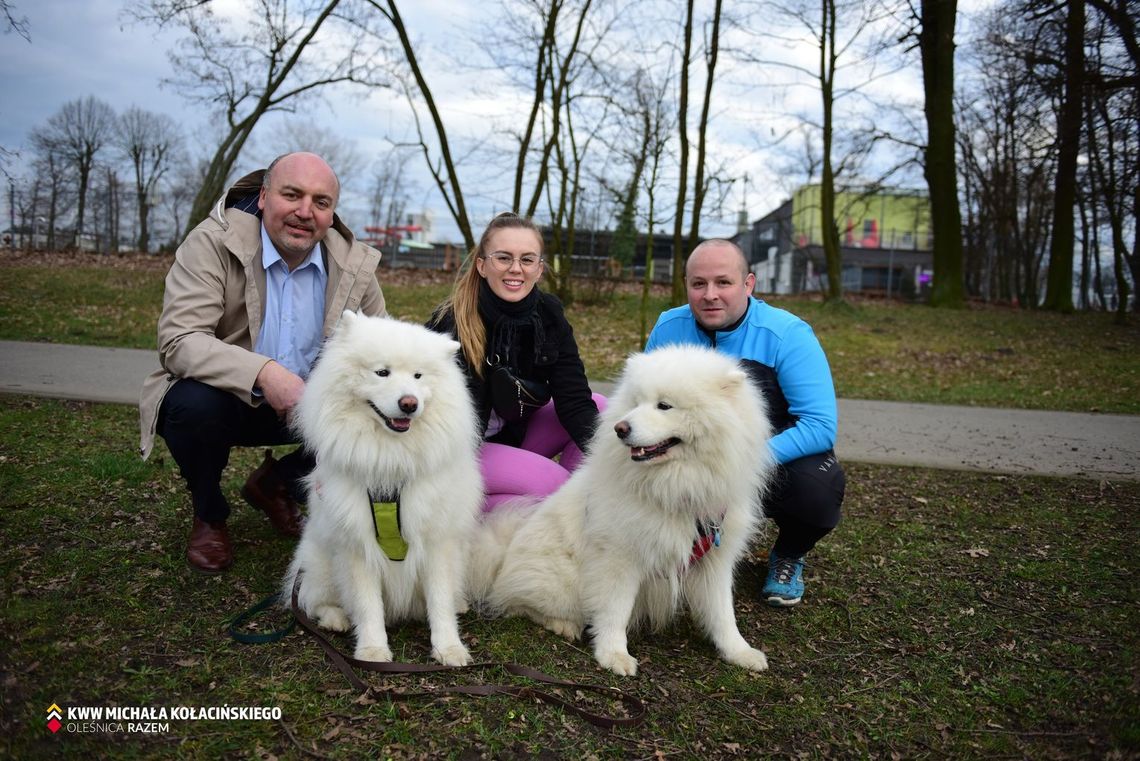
382, 373
664, 406
419, 375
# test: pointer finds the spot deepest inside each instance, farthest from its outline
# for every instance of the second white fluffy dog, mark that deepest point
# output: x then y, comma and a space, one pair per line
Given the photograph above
679, 463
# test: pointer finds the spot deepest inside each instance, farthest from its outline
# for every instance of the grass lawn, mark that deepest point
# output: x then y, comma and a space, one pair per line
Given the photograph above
950, 615
987, 356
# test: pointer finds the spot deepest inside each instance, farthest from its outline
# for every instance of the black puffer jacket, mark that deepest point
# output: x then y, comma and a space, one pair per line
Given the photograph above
557, 365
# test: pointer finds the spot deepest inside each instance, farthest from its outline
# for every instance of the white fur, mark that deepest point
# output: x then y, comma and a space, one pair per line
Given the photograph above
347, 579
609, 549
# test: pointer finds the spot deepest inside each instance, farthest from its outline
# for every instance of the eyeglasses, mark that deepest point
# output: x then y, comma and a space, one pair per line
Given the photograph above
502, 261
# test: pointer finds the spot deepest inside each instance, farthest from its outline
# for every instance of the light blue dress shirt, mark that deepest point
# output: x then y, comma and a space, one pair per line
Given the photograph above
291, 332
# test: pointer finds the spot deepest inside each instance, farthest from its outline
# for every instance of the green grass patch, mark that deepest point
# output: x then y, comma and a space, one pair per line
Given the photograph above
950, 615
986, 356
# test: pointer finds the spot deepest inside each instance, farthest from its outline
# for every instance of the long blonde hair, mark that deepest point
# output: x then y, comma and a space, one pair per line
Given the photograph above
463, 303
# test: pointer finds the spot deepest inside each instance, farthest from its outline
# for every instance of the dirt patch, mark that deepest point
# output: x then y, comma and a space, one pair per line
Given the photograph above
61, 259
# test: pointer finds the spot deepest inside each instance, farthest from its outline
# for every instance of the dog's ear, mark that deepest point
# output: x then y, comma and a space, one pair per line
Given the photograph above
453, 347
347, 318
734, 379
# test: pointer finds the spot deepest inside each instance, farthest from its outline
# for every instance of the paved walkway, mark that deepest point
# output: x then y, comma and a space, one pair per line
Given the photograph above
889, 433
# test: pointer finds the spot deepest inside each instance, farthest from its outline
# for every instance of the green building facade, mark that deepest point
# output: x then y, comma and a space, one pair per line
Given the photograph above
898, 219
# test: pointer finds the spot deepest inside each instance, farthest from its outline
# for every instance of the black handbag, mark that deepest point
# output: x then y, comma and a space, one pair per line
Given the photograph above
515, 399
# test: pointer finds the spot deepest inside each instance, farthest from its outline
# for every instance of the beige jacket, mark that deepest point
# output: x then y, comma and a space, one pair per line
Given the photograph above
215, 301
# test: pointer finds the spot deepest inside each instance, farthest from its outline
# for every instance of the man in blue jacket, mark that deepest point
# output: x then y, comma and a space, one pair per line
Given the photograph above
785, 360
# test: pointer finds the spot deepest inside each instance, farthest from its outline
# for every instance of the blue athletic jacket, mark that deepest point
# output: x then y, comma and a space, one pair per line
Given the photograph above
782, 354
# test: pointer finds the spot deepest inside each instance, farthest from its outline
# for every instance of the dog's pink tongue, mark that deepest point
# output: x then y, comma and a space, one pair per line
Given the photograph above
401, 423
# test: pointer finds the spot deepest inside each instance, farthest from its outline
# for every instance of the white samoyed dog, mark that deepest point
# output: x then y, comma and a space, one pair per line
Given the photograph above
396, 491
678, 466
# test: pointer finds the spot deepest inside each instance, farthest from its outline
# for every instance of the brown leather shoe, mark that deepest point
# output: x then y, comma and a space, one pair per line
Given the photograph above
265, 490
209, 550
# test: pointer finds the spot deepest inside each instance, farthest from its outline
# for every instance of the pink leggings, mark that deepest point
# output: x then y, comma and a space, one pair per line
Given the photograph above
528, 470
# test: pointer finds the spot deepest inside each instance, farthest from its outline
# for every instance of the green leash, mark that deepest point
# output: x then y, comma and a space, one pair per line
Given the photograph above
250, 638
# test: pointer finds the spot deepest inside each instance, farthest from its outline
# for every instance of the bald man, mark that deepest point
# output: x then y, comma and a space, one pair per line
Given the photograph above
785, 360
253, 291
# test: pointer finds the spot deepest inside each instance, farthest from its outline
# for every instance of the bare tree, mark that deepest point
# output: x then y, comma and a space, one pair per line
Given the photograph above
388, 193
1059, 283
556, 38
1113, 148
678, 293
149, 142
242, 69
110, 204
844, 33
51, 168
186, 177
828, 63
637, 154
936, 44
549, 22
1113, 136
79, 131
712, 50
445, 175
1007, 142
1058, 83
12, 23
558, 71
1111, 173
660, 127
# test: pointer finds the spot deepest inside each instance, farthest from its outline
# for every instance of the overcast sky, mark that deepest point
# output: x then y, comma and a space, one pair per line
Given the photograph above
90, 48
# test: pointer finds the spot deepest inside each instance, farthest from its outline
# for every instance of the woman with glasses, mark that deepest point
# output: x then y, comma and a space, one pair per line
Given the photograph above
523, 369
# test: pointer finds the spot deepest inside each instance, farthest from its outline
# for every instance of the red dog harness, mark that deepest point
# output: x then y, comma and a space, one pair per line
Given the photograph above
708, 536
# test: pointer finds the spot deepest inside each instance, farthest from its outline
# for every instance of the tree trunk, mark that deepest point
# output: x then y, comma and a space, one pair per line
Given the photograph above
540, 75
221, 164
936, 42
143, 242
702, 129
84, 180
559, 94
679, 253
460, 208
1133, 258
1059, 286
1083, 292
829, 232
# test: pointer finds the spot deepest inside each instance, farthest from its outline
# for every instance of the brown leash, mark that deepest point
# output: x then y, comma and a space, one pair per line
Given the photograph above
346, 665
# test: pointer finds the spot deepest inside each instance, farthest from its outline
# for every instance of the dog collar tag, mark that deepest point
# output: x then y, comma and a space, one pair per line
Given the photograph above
386, 520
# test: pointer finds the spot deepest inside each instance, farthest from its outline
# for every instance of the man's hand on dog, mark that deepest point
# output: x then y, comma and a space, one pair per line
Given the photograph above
281, 388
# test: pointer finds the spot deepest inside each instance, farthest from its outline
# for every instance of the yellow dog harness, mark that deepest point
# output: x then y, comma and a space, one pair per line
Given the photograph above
386, 521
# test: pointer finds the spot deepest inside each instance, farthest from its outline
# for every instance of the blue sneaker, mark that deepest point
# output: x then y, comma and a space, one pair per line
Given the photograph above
784, 586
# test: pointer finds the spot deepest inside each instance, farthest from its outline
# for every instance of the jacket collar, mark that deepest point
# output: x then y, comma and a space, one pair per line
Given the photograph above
714, 334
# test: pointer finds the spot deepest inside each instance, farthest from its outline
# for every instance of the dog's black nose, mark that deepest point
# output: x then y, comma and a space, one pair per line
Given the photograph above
622, 429
409, 404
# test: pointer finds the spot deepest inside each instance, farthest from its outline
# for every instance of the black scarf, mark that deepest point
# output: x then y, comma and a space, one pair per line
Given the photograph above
504, 320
